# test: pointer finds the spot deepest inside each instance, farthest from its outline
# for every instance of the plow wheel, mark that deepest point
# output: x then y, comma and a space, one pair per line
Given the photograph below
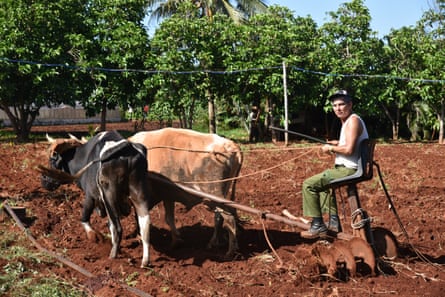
345, 258
363, 254
385, 243
335, 258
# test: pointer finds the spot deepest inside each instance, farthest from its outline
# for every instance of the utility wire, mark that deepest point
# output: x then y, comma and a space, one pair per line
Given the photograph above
217, 72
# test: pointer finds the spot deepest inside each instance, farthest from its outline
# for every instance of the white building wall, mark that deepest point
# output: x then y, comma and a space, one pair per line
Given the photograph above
65, 114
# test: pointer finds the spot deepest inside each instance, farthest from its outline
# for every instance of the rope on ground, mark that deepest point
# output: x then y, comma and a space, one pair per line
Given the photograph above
60, 258
269, 243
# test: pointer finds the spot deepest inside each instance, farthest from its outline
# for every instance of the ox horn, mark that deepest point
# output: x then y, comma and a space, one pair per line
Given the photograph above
50, 139
83, 140
73, 137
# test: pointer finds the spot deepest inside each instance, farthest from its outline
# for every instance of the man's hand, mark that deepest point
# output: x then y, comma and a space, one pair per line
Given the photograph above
327, 148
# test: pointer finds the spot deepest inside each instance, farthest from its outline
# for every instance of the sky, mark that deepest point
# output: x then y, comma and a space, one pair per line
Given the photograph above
385, 14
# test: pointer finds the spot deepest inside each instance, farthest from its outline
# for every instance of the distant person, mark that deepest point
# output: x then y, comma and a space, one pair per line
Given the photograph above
316, 199
254, 124
145, 111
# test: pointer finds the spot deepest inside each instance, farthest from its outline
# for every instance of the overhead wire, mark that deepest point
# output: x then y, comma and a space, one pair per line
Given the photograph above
217, 72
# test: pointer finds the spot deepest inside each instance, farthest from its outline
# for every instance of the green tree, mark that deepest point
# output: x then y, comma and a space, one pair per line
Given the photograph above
404, 60
268, 40
432, 49
91, 34
36, 31
113, 45
187, 47
350, 47
207, 10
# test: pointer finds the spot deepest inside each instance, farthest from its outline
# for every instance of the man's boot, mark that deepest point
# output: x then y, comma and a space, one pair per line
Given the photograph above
334, 223
317, 229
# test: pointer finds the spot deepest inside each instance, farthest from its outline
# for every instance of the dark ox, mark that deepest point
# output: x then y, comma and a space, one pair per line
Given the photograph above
205, 162
112, 172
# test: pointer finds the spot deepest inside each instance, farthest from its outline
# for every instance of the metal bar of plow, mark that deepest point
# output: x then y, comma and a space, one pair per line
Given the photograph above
217, 199
230, 203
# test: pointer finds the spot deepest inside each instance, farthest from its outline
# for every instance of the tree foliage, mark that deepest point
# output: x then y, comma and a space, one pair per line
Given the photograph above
238, 11
114, 39
87, 34
201, 57
35, 31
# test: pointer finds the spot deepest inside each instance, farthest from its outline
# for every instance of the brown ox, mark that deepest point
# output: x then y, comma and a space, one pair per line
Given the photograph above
206, 162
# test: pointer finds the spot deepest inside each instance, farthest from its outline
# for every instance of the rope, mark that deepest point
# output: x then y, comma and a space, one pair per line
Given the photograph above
262, 216
62, 259
362, 223
246, 175
189, 150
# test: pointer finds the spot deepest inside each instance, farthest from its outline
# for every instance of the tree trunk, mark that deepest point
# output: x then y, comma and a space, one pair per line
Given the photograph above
397, 125
20, 123
212, 117
103, 116
394, 124
442, 111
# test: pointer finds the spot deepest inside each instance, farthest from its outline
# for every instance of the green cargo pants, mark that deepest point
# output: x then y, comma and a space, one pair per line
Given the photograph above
316, 199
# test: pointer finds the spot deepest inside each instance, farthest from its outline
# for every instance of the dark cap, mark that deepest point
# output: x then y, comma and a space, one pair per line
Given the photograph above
341, 94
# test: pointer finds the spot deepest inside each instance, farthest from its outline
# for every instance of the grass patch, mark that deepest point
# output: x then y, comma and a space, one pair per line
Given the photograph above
20, 275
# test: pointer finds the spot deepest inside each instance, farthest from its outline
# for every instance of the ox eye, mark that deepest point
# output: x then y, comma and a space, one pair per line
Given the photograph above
104, 183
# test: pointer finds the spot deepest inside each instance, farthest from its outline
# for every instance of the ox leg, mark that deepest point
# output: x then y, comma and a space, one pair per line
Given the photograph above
87, 210
216, 240
116, 234
169, 207
230, 225
226, 220
144, 229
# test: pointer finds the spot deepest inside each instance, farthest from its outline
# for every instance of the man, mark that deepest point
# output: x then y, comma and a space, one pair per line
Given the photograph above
317, 200
254, 117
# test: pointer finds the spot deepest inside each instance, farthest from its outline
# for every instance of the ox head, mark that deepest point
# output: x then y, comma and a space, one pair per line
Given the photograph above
59, 152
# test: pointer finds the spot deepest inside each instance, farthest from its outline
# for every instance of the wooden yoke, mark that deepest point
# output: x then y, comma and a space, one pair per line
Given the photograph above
360, 221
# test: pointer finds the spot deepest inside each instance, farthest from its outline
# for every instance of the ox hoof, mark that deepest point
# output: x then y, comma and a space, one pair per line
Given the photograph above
146, 265
95, 237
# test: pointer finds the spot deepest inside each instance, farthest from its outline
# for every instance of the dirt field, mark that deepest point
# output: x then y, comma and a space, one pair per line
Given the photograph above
270, 180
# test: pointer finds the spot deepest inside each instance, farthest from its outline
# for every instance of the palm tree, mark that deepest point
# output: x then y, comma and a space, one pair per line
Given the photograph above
238, 13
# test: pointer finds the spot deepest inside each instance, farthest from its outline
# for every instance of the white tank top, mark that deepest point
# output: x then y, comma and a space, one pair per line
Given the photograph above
351, 161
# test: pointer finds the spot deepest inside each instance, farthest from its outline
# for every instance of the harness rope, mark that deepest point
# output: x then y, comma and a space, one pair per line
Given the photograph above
245, 175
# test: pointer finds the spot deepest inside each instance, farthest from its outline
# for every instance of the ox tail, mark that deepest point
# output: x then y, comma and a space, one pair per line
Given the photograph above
62, 176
